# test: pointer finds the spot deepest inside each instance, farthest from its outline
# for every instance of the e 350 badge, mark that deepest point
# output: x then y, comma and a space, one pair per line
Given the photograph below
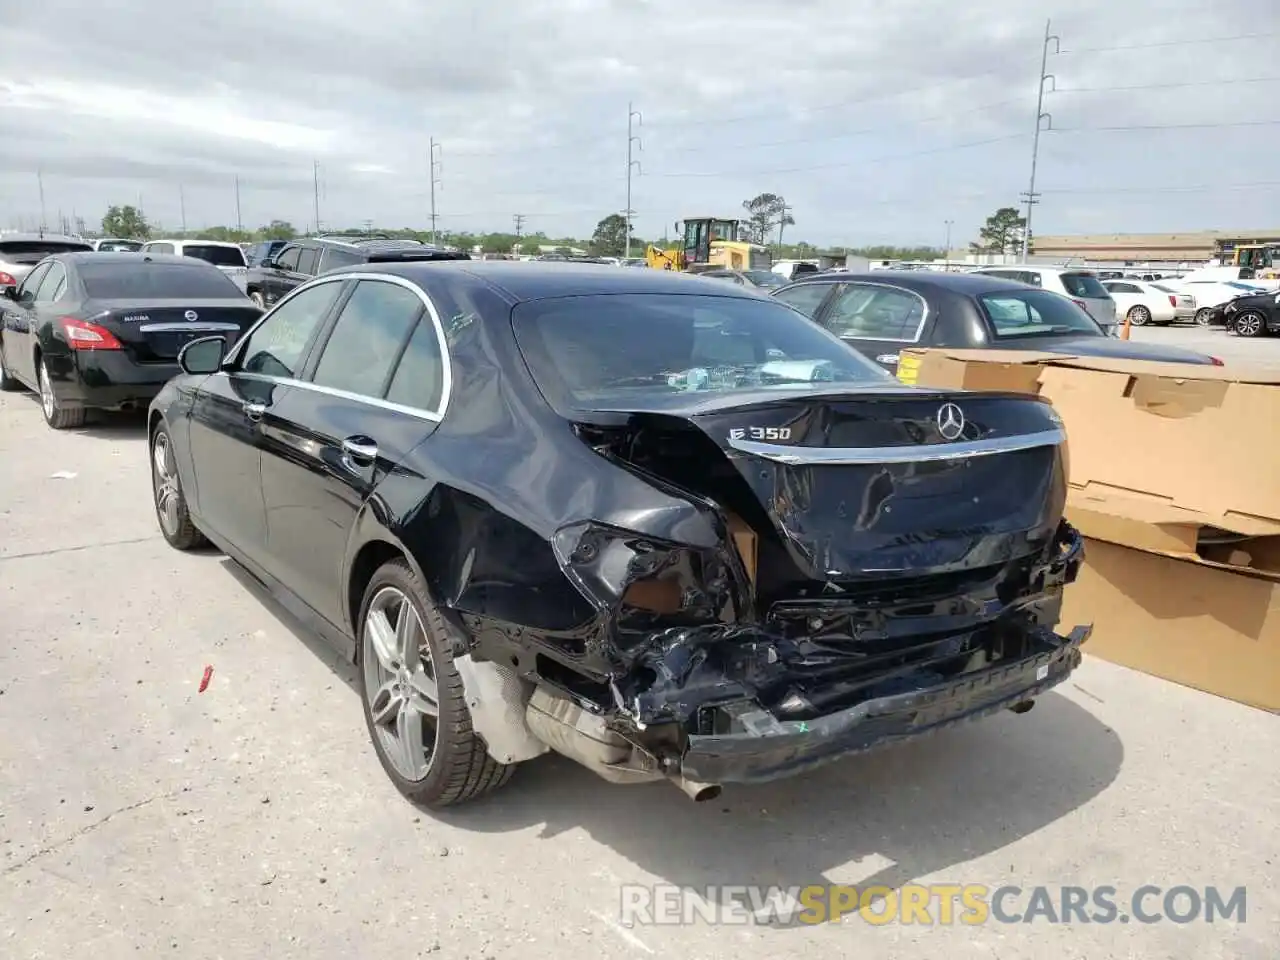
760, 433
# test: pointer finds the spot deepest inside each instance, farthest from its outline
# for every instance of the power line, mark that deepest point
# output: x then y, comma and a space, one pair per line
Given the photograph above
1194, 188
1167, 86
839, 166
1167, 126
1174, 43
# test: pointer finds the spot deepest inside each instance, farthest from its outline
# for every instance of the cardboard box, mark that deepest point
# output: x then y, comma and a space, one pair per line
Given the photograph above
1190, 622
1197, 438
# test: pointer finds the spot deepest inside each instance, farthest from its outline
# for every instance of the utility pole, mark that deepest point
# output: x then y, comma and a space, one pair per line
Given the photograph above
239, 219
946, 250
783, 213
1031, 197
519, 222
633, 141
368, 227
437, 166
182, 208
40, 184
315, 181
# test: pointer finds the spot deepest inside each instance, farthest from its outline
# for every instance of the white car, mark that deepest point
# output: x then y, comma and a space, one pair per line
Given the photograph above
1144, 303
227, 257
1184, 303
1081, 286
1214, 293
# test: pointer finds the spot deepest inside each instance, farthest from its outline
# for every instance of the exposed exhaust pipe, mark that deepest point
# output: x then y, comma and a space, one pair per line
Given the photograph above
1023, 706
696, 790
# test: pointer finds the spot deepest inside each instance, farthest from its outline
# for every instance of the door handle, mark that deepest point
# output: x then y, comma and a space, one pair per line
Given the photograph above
888, 358
254, 411
360, 449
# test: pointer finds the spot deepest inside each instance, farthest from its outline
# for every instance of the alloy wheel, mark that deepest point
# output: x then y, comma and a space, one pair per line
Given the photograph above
1139, 316
1248, 325
168, 497
400, 683
1203, 315
47, 400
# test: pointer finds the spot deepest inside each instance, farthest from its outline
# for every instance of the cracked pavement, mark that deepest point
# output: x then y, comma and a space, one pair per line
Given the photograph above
139, 817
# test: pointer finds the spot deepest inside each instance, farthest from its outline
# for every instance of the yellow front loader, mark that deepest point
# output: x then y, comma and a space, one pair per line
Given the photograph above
710, 243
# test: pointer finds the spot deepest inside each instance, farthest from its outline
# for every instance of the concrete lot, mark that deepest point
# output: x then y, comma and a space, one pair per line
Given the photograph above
140, 818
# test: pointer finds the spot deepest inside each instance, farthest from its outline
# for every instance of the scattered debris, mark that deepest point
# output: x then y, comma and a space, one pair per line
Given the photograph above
204, 681
62, 475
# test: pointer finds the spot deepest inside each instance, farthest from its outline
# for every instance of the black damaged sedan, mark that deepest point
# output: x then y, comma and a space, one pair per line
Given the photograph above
102, 330
665, 527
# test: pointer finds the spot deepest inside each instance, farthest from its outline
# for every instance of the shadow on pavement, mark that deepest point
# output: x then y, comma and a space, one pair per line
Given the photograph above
916, 810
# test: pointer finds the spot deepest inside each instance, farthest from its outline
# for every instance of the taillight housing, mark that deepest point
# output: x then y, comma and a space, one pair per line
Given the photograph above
1173, 301
1217, 361
83, 335
7, 280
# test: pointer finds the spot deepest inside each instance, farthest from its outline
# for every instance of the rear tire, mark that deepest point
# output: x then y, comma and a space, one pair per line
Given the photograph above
1202, 316
167, 496
256, 297
1250, 324
55, 415
457, 767
1139, 316
7, 383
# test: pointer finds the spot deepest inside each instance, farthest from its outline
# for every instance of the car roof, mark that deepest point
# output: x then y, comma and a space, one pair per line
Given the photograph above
522, 281
1038, 268
28, 237
969, 284
81, 256
203, 243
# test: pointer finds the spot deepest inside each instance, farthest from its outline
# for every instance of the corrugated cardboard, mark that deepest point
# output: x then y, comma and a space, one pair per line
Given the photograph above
744, 538
1203, 627
1199, 438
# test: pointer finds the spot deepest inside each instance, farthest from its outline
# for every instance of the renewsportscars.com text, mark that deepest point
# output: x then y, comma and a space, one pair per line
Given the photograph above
937, 904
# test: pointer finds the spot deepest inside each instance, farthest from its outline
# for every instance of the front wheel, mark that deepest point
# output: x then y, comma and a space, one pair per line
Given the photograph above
1250, 324
256, 297
55, 414
1139, 316
413, 699
1203, 316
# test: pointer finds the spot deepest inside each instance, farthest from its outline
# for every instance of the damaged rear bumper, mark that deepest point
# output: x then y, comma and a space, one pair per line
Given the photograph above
762, 748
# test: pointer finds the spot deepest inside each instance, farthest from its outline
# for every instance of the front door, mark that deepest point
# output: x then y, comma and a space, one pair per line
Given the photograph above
373, 393
19, 325
235, 407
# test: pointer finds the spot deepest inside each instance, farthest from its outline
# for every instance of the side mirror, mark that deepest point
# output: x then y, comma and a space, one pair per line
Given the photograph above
10, 293
202, 356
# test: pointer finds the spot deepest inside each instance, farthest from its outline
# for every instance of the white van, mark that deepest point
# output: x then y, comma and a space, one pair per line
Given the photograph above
227, 257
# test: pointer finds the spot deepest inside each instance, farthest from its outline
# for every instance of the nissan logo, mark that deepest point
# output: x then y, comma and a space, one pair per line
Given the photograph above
192, 315
950, 421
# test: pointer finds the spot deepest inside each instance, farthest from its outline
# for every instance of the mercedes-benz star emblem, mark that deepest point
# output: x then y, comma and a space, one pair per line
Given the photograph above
191, 315
950, 421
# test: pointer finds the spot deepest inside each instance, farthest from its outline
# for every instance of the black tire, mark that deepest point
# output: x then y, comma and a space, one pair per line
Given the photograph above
1203, 316
256, 297
1251, 323
460, 767
55, 415
7, 383
179, 531
1139, 315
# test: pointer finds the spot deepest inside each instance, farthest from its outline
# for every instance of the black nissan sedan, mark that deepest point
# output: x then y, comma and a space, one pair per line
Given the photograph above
660, 524
103, 330
883, 312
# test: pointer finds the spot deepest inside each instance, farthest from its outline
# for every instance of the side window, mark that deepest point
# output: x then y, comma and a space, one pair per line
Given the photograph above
288, 259
334, 258
419, 379
158, 248
31, 282
368, 337
1123, 288
805, 297
863, 312
276, 347
54, 282
307, 258
1031, 277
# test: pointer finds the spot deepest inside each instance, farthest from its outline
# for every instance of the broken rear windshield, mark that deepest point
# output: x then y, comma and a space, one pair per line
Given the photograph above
597, 348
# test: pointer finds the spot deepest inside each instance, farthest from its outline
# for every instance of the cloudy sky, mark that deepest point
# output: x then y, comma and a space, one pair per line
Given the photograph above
877, 121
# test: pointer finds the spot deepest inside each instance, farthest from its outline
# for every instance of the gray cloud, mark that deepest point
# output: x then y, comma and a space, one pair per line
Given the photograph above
876, 121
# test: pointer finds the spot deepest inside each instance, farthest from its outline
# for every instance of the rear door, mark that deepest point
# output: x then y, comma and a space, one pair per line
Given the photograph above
282, 276
19, 326
235, 407
374, 391
878, 320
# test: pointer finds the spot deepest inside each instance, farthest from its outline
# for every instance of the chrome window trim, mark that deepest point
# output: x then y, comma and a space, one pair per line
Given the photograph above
446, 378
886, 286
913, 453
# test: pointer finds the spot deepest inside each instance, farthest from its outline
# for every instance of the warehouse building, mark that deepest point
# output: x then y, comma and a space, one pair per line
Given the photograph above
1191, 247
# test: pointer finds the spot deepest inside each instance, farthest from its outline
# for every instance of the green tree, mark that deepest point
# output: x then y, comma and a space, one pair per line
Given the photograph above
1002, 233
610, 236
278, 230
126, 222
498, 242
764, 212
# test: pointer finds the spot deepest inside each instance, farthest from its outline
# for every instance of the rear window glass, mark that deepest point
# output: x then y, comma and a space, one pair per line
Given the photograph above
1084, 285
333, 258
766, 278
218, 256
1035, 312
155, 281
589, 349
120, 246
41, 247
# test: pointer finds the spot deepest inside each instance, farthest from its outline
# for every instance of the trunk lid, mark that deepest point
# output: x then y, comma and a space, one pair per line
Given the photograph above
891, 483
154, 331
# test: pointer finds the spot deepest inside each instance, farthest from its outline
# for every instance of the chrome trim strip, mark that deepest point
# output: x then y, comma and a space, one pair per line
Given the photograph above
446, 378
196, 327
914, 453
